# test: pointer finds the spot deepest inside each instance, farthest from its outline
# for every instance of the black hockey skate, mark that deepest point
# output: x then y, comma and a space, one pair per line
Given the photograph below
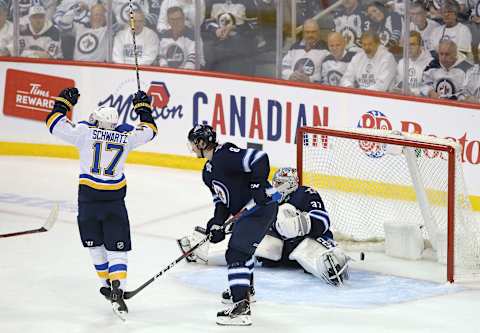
107, 291
118, 303
238, 314
227, 296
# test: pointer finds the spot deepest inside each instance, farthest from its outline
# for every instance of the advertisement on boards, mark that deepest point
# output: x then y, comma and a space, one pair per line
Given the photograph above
244, 112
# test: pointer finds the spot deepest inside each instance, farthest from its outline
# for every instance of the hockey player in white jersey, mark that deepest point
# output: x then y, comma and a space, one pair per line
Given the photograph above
445, 77
372, 68
417, 62
146, 41
102, 216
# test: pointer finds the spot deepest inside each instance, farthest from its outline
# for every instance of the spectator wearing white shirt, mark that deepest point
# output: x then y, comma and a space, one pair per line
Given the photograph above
188, 7
303, 62
452, 29
445, 77
177, 44
336, 62
471, 86
91, 38
417, 62
372, 68
421, 23
6, 32
146, 41
39, 38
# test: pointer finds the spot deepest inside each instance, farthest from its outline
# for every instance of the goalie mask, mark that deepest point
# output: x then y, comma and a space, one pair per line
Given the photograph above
285, 176
104, 117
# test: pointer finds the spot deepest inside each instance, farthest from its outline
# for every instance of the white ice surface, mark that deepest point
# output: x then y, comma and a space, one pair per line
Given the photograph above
48, 283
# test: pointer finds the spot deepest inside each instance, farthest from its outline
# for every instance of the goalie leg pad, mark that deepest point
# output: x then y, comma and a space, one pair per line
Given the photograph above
270, 248
322, 259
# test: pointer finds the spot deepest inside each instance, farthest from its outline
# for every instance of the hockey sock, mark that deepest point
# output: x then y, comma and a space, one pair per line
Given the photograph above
117, 269
100, 261
239, 275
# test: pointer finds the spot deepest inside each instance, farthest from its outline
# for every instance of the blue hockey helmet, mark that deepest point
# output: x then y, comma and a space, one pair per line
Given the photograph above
203, 136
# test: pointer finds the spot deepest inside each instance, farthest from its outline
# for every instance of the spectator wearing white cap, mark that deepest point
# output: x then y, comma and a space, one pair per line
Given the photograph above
39, 39
6, 32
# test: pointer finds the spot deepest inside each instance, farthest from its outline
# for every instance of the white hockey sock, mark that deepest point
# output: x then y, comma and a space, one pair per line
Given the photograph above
117, 268
100, 261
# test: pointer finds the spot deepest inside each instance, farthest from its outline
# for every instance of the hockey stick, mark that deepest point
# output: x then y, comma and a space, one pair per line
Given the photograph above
248, 209
132, 27
51, 219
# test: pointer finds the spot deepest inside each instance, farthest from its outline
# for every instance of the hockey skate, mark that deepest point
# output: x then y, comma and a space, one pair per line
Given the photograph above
107, 291
227, 296
118, 303
238, 314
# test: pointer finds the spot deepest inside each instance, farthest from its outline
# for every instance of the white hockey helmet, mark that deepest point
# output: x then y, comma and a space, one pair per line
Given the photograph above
288, 176
105, 117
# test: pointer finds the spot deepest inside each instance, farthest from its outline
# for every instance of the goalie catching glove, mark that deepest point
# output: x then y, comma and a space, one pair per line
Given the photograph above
291, 222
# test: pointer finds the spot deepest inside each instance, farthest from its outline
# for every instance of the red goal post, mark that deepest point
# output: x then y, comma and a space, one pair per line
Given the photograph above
370, 176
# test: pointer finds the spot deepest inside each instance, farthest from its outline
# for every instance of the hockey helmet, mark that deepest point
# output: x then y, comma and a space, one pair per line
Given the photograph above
288, 176
202, 136
105, 117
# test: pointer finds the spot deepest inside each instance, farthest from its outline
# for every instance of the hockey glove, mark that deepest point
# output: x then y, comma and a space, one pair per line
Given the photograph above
141, 102
216, 231
65, 101
259, 194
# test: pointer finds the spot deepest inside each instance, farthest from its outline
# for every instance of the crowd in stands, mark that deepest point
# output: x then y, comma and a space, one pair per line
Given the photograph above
359, 44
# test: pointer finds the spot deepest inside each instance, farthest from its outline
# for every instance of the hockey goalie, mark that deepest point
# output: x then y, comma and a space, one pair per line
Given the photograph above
301, 236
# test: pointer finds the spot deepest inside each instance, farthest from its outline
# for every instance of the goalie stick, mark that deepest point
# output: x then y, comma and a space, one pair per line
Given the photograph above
248, 209
51, 219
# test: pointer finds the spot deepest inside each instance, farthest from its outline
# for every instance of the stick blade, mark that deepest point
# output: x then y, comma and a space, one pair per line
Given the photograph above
52, 218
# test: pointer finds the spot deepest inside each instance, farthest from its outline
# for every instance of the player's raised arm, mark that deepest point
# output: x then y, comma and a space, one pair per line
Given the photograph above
57, 122
147, 129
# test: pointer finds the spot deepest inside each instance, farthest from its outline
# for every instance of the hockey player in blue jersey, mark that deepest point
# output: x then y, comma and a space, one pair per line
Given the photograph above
102, 216
300, 237
235, 176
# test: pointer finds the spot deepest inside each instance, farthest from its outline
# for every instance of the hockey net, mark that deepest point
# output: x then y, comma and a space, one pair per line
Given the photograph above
370, 177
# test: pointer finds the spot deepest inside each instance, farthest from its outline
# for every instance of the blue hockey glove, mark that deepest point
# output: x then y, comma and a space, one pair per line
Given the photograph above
259, 194
216, 231
142, 102
67, 98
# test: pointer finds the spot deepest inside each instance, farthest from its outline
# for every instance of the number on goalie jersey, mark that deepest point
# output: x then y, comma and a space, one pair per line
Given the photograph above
102, 216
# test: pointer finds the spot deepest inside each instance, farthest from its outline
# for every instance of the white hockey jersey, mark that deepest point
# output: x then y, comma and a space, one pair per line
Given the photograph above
471, 86
447, 83
427, 34
377, 73
90, 44
350, 26
460, 34
188, 7
121, 10
415, 72
102, 152
69, 12
333, 70
6, 38
48, 40
308, 62
177, 53
147, 47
